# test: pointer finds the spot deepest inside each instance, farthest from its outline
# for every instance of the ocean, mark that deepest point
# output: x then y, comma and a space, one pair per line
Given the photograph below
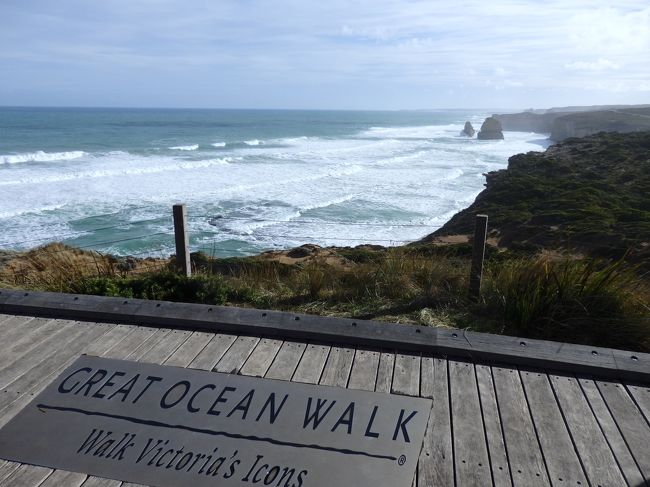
253, 180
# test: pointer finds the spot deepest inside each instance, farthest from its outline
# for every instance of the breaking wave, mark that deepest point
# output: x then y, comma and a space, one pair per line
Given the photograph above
40, 156
185, 147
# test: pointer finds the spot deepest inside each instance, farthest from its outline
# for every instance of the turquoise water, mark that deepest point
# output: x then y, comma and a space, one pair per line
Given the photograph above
252, 179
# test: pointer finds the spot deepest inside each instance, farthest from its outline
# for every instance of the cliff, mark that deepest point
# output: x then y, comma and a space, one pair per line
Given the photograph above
529, 121
588, 123
588, 194
564, 122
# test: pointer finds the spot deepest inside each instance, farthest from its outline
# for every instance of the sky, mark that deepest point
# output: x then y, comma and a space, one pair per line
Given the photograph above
324, 54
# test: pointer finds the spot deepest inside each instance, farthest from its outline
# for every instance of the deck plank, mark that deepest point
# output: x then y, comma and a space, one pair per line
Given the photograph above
236, 355
385, 372
63, 478
524, 454
189, 350
641, 395
472, 464
147, 344
436, 465
310, 367
286, 361
613, 435
212, 352
13, 327
363, 375
33, 333
590, 443
630, 421
6, 469
37, 354
338, 366
130, 344
42, 372
406, 375
165, 347
90, 337
493, 430
561, 459
261, 358
27, 476
100, 482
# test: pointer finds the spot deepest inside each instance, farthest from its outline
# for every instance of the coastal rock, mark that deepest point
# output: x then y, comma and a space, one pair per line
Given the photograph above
468, 130
491, 130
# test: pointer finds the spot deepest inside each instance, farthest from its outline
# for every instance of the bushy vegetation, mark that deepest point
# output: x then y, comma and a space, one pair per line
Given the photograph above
555, 298
581, 301
589, 194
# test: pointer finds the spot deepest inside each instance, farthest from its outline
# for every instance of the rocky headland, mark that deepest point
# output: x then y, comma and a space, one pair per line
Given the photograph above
564, 122
587, 194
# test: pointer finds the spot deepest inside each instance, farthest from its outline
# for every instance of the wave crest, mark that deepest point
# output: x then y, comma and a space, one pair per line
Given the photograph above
40, 156
185, 147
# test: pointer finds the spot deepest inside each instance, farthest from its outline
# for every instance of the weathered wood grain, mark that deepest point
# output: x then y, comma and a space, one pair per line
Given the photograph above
338, 366
261, 358
27, 475
561, 459
189, 349
524, 454
436, 465
100, 482
472, 464
406, 375
212, 352
62, 478
590, 443
385, 372
286, 361
608, 426
493, 430
236, 355
6, 469
363, 375
311, 364
630, 422
165, 347
130, 344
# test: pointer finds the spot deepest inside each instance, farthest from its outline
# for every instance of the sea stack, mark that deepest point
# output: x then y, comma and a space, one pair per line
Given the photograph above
491, 130
468, 130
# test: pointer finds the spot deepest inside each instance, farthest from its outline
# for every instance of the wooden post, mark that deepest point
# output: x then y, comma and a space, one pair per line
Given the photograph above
478, 254
182, 240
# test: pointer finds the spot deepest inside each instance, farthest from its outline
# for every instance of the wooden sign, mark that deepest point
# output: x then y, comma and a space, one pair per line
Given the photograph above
170, 426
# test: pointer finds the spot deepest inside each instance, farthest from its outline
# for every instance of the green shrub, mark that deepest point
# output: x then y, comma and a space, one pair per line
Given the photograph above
571, 300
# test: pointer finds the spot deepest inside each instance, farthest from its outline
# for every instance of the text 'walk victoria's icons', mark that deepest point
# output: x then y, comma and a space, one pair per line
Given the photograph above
168, 426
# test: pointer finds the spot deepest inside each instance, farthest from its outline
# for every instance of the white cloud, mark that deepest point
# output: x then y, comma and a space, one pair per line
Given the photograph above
412, 49
599, 65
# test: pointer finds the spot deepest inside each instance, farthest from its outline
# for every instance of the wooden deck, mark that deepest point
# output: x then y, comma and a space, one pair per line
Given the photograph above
492, 424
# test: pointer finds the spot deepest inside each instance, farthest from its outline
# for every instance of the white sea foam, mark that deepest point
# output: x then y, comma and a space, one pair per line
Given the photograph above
218, 144
253, 142
384, 175
113, 167
185, 147
40, 156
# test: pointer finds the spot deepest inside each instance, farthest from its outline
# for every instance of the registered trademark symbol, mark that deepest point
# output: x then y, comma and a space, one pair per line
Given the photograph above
401, 460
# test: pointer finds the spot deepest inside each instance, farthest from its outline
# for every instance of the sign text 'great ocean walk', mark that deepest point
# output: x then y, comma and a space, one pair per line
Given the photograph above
168, 426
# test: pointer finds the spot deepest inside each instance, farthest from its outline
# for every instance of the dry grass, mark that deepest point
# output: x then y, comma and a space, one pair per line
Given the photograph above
548, 297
